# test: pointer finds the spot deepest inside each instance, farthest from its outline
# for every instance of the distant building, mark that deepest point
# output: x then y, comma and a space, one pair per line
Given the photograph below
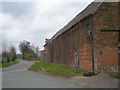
40, 55
81, 44
19, 56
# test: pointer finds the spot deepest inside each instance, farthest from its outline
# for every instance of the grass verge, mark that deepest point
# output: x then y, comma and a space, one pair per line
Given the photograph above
31, 60
6, 64
115, 75
55, 69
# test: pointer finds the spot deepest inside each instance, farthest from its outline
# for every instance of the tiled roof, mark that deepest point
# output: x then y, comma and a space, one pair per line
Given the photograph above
91, 8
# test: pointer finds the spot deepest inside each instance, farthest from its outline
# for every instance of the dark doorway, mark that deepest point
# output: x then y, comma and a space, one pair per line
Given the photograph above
76, 59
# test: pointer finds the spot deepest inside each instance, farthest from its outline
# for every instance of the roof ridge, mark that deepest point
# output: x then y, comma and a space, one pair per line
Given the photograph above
91, 8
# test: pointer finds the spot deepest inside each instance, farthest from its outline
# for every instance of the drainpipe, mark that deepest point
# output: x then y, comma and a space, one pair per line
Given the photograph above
94, 59
119, 50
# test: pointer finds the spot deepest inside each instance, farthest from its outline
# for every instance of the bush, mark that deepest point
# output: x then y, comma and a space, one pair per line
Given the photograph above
90, 73
8, 59
29, 57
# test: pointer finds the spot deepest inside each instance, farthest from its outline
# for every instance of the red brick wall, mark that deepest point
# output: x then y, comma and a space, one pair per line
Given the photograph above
46, 52
61, 50
106, 43
107, 61
85, 58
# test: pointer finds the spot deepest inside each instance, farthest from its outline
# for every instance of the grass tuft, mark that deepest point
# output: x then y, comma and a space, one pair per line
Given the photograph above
115, 75
56, 69
30, 60
6, 64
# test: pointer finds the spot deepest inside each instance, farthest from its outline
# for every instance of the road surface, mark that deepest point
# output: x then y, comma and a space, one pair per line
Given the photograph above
17, 76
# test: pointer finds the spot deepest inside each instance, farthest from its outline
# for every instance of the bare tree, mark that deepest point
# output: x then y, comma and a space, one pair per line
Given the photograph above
36, 52
4, 45
5, 52
12, 53
8, 51
33, 47
36, 49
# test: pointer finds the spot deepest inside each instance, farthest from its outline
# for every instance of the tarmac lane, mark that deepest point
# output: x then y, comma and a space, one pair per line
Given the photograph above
19, 66
17, 76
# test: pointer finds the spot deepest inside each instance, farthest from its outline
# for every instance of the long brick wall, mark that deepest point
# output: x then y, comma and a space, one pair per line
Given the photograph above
61, 50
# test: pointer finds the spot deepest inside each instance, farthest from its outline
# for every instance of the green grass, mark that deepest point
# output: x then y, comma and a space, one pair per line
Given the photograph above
31, 60
115, 75
6, 64
0, 65
55, 69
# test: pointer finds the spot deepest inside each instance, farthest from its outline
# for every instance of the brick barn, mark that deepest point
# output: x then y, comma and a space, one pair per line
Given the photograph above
81, 43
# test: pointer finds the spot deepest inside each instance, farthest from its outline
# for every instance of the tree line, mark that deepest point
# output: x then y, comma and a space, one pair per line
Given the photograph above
28, 51
9, 52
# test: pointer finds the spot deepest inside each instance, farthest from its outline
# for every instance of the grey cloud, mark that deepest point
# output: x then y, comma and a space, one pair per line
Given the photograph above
75, 4
0, 7
6, 27
17, 8
62, 9
37, 25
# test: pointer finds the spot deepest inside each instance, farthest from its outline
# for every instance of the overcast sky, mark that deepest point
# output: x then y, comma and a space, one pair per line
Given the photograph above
36, 21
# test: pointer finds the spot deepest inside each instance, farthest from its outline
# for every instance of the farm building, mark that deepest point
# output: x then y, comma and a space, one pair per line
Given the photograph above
40, 55
81, 43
